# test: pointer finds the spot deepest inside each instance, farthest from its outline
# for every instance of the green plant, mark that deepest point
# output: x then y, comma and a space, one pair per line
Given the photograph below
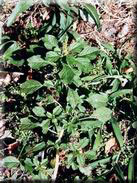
69, 102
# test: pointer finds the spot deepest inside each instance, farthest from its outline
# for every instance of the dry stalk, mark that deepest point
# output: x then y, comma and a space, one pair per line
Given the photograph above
54, 176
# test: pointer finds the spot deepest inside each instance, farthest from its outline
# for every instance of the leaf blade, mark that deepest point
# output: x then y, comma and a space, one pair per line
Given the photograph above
30, 86
19, 8
117, 132
93, 13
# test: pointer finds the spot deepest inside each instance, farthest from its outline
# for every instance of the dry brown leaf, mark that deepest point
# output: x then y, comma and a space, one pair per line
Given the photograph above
129, 70
110, 145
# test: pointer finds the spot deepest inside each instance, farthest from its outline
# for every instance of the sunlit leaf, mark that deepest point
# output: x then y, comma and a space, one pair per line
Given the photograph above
80, 159
11, 162
27, 124
91, 155
103, 114
85, 170
67, 74
97, 143
39, 147
30, 86
50, 41
120, 93
36, 62
98, 100
90, 124
39, 111
73, 98
89, 51
83, 142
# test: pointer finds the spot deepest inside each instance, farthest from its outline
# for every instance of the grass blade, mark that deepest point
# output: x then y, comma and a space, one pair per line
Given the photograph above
131, 170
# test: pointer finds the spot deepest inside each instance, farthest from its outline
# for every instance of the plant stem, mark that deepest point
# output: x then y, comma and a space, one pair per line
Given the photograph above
54, 176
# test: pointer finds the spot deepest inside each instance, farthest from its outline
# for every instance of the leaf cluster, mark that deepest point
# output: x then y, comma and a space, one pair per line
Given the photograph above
69, 101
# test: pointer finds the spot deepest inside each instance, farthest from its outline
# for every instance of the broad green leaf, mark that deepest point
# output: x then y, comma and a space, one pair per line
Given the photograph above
97, 143
124, 64
52, 57
116, 83
69, 20
120, 93
54, 20
19, 8
83, 64
98, 100
117, 132
46, 2
36, 161
97, 163
30, 86
90, 52
131, 170
70, 158
77, 80
83, 142
32, 48
36, 62
75, 47
45, 125
57, 110
4, 42
74, 166
63, 4
50, 41
11, 162
49, 115
88, 78
90, 124
134, 125
8, 53
81, 108
39, 111
71, 60
62, 20
108, 46
65, 22
102, 114
28, 164
48, 84
93, 13
109, 65
85, 170
67, 74
82, 60
73, 98
91, 155
80, 159
39, 146
17, 63
27, 124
